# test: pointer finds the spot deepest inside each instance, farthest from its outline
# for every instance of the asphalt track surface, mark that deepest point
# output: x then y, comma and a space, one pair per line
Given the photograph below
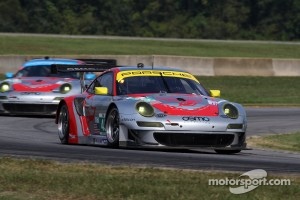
36, 137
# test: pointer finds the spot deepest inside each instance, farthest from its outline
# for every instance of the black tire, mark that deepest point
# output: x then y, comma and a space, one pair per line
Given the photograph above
227, 151
113, 127
63, 124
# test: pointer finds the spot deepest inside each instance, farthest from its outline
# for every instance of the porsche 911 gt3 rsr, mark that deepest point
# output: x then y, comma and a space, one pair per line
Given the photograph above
35, 90
150, 107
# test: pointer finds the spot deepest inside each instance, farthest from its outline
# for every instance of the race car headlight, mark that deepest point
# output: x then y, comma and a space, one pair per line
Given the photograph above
4, 87
231, 111
144, 109
65, 88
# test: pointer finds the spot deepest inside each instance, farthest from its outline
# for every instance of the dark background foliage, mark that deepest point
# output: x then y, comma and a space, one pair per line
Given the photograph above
205, 19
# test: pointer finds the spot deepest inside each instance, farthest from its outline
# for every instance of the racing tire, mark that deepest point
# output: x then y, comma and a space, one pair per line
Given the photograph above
113, 127
227, 151
63, 124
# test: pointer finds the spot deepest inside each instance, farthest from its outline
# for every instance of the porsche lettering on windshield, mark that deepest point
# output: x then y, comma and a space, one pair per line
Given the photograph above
124, 74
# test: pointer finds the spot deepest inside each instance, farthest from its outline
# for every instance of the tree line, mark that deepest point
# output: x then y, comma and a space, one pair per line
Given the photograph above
201, 19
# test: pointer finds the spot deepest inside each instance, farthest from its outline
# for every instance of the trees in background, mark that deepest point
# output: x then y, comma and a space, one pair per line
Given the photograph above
207, 19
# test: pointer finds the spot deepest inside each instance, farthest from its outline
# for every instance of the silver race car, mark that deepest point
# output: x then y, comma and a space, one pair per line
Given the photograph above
35, 90
150, 107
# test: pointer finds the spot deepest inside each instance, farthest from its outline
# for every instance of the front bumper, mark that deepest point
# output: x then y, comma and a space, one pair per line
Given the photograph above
174, 131
28, 109
29, 104
182, 139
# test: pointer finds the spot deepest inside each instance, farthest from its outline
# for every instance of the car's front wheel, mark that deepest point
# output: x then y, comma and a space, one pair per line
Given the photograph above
113, 127
63, 124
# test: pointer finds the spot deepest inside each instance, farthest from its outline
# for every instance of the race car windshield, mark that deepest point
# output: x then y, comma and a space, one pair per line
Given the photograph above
159, 84
43, 71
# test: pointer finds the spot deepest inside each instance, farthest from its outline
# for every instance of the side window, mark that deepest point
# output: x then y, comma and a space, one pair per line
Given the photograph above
91, 87
105, 80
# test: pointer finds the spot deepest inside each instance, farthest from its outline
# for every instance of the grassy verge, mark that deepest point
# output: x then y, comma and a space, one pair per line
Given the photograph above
33, 179
37, 45
276, 91
288, 142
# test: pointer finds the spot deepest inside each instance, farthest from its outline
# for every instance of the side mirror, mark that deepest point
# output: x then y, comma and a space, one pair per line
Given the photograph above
101, 90
9, 75
215, 93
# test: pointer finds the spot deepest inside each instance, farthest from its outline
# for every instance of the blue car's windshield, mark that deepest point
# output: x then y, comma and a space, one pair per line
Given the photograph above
43, 71
157, 84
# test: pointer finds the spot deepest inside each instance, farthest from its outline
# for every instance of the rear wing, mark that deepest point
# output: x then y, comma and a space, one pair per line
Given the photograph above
83, 68
89, 65
99, 61
55, 68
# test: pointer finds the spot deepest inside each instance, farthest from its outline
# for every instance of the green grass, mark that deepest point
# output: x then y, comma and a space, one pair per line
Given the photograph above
40, 179
288, 142
256, 90
37, 45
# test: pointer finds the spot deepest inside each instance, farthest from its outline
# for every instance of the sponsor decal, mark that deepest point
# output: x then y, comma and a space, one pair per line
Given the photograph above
160, 115
124, 74
100, 122
100, 141
127, 119
196, 119
30, 93
212, 102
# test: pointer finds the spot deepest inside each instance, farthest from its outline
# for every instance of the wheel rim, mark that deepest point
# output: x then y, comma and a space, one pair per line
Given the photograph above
63, 123
113, 127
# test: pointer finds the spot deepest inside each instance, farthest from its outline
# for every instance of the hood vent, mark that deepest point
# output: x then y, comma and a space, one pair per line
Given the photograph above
180, 99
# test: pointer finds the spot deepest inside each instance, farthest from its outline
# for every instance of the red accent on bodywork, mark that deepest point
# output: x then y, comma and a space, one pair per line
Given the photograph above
188, 103
208, 110
115, 72
45, 88
84, 126
72, 121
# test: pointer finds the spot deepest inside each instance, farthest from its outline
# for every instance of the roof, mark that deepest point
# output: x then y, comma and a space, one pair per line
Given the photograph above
50, 61
125, 68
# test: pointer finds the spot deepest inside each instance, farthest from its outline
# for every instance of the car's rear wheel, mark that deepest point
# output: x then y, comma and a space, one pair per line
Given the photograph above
227, 151
113, 127
63, 124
